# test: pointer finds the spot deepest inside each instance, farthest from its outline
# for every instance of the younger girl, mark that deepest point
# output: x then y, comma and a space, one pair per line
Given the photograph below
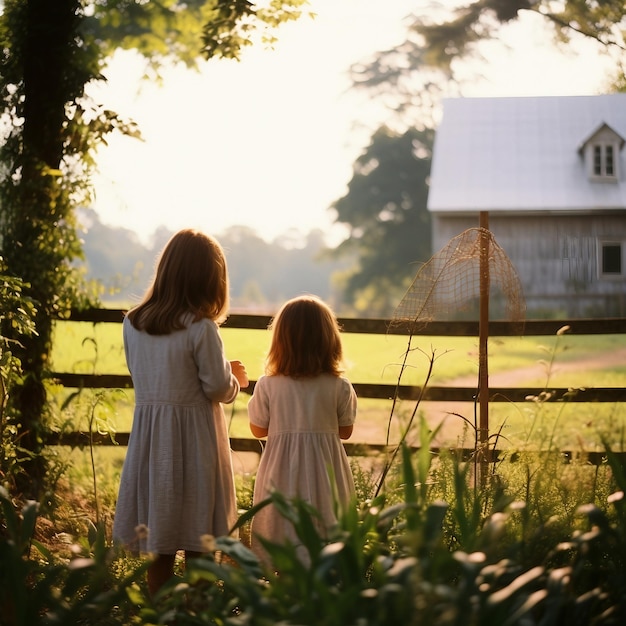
177, 483
305, 407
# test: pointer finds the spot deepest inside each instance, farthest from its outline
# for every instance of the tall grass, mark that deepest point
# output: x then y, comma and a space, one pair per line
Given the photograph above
428, 549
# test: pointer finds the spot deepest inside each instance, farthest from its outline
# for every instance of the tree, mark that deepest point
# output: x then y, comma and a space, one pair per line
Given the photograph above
385, 208
50, 51
457, 35
277, 270
41, 76
389, 225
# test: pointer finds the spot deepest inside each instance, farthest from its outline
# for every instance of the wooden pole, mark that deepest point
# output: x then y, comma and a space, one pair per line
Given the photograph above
483, 332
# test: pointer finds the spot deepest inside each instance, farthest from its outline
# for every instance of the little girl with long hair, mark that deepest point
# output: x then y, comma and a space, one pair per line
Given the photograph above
305, 407
177, 484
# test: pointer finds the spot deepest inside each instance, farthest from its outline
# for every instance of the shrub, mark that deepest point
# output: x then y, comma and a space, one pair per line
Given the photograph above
38, 588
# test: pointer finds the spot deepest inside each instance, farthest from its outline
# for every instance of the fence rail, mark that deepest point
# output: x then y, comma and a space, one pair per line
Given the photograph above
375, 391
379, 326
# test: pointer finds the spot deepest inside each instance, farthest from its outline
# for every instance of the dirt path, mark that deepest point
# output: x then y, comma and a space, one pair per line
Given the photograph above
454, 428
517, 377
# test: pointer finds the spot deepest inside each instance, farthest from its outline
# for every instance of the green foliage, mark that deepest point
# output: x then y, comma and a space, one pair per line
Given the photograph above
17, 313
405, 556
349, 578
392, 560
184, 31
38, 588
231, 23
444, 40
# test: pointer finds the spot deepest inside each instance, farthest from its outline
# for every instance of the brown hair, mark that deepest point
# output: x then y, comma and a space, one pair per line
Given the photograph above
191, 277
306, 340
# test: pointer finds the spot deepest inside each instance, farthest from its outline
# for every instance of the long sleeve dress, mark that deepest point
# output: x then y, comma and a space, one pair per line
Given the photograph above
177, 482
303, 416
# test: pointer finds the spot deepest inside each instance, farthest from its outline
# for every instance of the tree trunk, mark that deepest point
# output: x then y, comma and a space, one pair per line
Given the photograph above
35, 220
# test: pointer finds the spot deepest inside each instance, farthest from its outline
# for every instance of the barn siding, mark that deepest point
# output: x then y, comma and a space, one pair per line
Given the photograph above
556, 258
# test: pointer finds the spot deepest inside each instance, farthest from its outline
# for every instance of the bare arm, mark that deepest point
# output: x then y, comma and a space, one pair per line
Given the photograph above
345, 432
258, 432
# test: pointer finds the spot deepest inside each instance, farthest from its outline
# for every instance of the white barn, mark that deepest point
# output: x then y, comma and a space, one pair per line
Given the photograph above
551, 173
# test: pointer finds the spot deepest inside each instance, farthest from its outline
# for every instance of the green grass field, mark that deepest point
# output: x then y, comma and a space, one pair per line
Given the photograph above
97, 348
88, 348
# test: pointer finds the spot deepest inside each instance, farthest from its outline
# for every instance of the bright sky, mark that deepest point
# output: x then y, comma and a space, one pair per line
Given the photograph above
269, 142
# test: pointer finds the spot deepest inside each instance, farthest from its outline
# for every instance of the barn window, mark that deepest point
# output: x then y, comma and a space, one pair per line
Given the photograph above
601, 153
603, 161
611, 262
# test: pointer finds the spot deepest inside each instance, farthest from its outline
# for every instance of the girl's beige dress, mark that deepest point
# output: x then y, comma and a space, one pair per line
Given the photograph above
177, 482
303, 448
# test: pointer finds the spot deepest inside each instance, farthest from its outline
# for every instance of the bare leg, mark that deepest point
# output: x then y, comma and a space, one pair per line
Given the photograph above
160, 571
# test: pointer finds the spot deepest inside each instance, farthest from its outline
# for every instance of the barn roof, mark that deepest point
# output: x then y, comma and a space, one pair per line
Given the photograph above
524, 154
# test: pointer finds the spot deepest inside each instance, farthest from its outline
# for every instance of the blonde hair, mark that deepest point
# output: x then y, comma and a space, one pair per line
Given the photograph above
191, 277
306, 340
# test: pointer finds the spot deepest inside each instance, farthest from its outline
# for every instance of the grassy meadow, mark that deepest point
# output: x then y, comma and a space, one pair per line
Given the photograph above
534, 361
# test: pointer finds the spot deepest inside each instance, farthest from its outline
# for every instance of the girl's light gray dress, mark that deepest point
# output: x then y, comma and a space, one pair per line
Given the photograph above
177, 482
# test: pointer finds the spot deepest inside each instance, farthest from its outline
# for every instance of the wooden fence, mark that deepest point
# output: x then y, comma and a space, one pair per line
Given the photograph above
607, 326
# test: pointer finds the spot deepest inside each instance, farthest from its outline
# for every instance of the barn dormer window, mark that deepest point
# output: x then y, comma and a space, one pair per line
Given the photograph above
603, 163
601, 153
